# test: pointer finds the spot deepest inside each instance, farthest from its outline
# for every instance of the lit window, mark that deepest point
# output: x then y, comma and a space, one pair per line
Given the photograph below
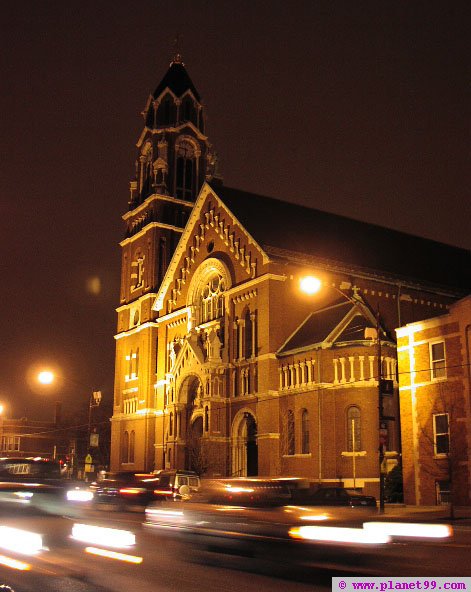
443, 492
132, 442
185, 177
353, 429
212, 298
290, 433
305, 432
125, 448
10, 443
137, 273
437, 360
441, 434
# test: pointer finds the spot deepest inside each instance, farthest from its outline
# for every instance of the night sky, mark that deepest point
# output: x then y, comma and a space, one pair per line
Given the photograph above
358, 108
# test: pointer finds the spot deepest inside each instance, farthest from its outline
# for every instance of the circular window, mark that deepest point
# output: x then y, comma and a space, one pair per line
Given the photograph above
210, 247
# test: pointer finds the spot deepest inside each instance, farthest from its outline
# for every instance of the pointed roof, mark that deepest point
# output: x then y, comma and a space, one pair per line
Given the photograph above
177, 80
343, 322
298, 233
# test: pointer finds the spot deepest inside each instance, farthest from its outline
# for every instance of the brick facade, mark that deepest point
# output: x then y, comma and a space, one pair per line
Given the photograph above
435, 470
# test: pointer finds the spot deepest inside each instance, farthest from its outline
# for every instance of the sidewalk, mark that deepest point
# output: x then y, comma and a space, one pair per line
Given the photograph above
462, 514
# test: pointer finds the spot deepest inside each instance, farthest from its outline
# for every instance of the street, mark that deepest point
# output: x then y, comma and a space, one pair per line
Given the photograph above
168, 565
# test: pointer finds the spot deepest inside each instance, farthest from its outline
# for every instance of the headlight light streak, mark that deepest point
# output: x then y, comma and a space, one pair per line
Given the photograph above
334, 534
410, 530
99, 535
14, 563
113, 555
20, 541
79, 495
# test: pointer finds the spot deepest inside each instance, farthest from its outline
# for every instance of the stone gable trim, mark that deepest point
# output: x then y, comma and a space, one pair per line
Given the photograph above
197, 225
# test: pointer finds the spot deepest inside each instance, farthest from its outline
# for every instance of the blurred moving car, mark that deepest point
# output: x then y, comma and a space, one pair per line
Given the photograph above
254, 517
338, 496
40, 483
124, 488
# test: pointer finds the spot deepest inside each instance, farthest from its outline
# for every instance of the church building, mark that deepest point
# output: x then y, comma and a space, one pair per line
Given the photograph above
228, 362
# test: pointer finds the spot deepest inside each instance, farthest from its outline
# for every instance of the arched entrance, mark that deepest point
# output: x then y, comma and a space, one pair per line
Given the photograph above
190, 422
195, 454
244, 445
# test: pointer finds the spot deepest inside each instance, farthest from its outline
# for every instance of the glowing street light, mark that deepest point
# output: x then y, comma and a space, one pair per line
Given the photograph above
46, 377
310, 284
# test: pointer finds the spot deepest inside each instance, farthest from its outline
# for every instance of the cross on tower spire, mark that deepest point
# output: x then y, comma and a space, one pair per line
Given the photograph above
177, 50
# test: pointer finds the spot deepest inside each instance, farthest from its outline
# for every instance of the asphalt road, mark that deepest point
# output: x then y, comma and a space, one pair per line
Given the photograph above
169, 566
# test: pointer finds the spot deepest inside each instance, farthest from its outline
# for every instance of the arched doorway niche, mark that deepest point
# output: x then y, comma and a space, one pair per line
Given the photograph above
244, 445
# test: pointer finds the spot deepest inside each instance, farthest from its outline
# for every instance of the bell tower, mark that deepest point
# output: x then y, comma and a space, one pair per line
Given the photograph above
174, 159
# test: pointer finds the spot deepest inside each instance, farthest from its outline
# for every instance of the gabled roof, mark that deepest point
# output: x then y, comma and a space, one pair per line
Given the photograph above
177, 80
341, 323
287, 230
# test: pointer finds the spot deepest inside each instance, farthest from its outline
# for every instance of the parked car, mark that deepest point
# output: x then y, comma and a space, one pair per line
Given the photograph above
174, 483
338, 496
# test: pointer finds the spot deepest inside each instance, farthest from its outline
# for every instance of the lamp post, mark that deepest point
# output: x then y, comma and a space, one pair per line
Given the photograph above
48, 377
311, 285
94, 401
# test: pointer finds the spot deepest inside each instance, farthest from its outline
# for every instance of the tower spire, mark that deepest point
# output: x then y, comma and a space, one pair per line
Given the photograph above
177, 50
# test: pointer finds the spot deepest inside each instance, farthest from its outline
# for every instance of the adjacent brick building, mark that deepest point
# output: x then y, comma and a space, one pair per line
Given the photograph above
435, 402
25, 437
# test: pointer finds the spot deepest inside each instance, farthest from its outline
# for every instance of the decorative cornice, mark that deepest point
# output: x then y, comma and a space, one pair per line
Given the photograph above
147, 325
149, 226
156, 197
140, 300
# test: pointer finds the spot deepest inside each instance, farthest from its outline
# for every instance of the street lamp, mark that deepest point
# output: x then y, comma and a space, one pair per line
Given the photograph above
48, 377
311, 285
94, 401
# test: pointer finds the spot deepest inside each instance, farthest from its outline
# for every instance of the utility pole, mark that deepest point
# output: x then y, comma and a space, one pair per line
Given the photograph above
380, 416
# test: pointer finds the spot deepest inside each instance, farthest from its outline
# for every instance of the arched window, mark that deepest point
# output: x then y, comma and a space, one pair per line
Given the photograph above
290, 433
248, 334
170, 425
206, 419
166, 111
186, 169
132, 445
353, 429
305, 448
187, 110
212, 298
125, 448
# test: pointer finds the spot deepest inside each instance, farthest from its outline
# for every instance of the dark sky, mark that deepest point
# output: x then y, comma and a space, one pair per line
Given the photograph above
359, 108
